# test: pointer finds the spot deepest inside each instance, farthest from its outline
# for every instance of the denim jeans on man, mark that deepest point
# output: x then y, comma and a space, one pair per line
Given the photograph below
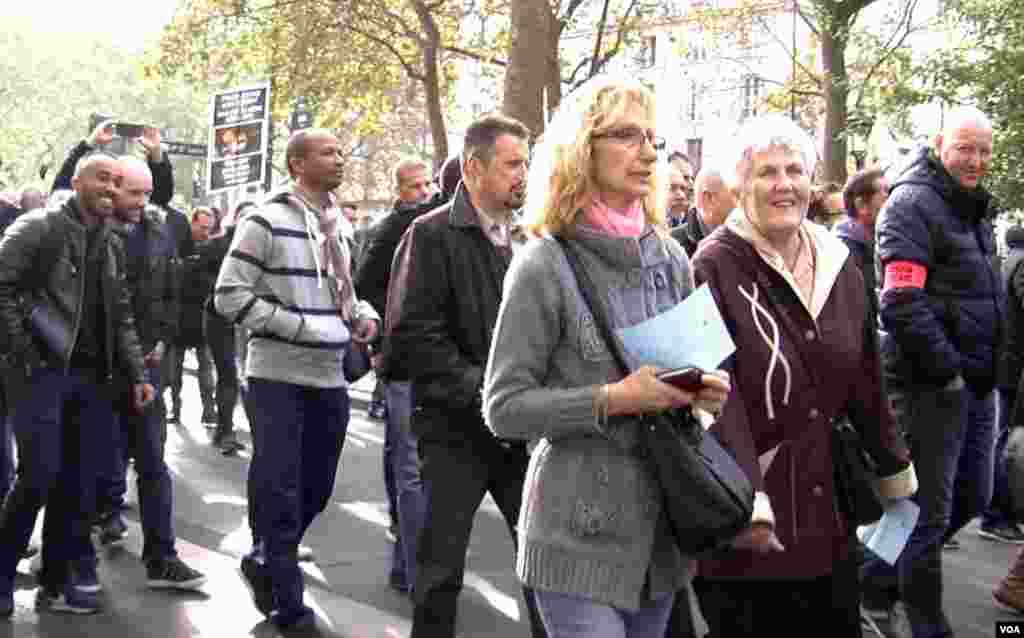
297, 434
567, 616
142, 437
410, 496
951, 433
61, 427
1000, 511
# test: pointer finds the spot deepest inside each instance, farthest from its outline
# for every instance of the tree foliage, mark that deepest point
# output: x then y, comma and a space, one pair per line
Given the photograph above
555, 46
982, 64
51, 83
845, 71
346, 57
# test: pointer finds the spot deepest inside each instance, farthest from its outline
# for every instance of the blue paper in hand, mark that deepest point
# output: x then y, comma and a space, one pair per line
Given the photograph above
690, 334
889, 535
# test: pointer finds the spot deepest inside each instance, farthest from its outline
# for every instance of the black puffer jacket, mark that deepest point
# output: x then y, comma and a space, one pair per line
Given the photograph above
953, 324
61, 288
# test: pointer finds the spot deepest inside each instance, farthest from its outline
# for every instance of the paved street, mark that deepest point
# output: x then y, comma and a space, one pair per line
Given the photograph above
347, 583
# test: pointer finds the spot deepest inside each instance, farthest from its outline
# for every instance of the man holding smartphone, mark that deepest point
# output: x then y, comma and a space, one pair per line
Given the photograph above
148, 138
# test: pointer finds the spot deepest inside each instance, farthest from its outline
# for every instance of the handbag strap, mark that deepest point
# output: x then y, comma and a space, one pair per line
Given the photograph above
591, 300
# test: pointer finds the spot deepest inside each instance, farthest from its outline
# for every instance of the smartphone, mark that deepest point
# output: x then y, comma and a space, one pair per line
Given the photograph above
122, 129
688, 379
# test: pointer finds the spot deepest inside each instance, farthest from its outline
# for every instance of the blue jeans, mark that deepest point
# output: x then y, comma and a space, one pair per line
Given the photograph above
61, 426
567, 616
405, 469
142, 437
951, 433
297, 437
999, 511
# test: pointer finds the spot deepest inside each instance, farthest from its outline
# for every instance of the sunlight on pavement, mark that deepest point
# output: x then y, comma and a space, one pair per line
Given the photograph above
375, 513
497, 599
237, 542
225, 499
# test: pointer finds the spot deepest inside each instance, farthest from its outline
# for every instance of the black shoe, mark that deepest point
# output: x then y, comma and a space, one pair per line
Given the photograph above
111, 529
67, 600
377, 410
299, 618
1005, 533
171, 573
255, 576
175, 415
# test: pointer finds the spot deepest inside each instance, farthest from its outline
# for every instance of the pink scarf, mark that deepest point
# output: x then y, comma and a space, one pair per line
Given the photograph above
629, 222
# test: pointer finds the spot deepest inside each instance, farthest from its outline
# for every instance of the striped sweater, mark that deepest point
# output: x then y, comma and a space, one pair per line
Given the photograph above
272, 283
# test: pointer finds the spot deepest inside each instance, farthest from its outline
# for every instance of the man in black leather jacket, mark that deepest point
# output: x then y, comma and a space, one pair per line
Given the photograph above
70, 267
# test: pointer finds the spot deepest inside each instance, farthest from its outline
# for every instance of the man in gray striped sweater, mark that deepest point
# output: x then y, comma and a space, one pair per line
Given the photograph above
287, 279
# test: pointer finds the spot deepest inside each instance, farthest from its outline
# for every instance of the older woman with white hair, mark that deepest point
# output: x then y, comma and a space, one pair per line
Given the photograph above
594, 542
806, 357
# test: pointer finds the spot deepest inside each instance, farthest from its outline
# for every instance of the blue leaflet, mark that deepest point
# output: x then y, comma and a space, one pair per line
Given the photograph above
690, 334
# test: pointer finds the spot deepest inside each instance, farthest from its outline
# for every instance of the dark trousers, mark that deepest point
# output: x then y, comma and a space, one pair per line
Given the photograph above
297, 434
61, 427
456, 475
6, 455
220, 337
174, 368
951, 434
1000, 510
828, 605
142, 437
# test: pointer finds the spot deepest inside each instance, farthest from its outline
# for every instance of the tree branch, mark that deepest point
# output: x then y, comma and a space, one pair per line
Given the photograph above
807, 20
410, 70
570, 9
891, 46
473, 55
791, 53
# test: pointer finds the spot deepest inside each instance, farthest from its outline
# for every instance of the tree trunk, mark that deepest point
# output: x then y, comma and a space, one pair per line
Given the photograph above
533, 64
837, 90
431, 46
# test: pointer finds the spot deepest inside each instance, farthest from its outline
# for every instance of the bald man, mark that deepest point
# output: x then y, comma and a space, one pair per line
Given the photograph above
714, 203
288, 281
83, 332
151, 275
940, 312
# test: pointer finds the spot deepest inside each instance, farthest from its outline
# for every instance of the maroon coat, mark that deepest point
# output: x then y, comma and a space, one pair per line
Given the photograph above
833, 370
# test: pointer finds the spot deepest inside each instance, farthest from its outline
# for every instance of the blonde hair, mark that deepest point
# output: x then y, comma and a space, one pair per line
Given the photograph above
561, 178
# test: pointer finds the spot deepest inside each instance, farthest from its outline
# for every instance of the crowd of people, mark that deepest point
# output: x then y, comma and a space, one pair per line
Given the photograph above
493, 377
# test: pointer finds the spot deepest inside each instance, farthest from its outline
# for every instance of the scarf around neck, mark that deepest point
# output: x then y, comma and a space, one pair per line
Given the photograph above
628, 222
328, 248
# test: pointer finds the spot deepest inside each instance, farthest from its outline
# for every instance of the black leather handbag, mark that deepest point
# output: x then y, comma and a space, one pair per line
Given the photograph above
854, 476
706, 495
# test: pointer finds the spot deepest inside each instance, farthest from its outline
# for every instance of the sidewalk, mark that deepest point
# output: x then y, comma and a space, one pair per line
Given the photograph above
223, 609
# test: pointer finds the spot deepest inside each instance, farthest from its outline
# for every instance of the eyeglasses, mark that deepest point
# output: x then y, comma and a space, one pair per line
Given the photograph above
633, 137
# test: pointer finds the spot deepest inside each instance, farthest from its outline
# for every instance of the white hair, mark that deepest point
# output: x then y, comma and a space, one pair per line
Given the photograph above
964, 116
760, 134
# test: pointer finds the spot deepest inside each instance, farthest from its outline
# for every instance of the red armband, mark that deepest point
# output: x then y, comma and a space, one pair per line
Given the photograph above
904, 274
